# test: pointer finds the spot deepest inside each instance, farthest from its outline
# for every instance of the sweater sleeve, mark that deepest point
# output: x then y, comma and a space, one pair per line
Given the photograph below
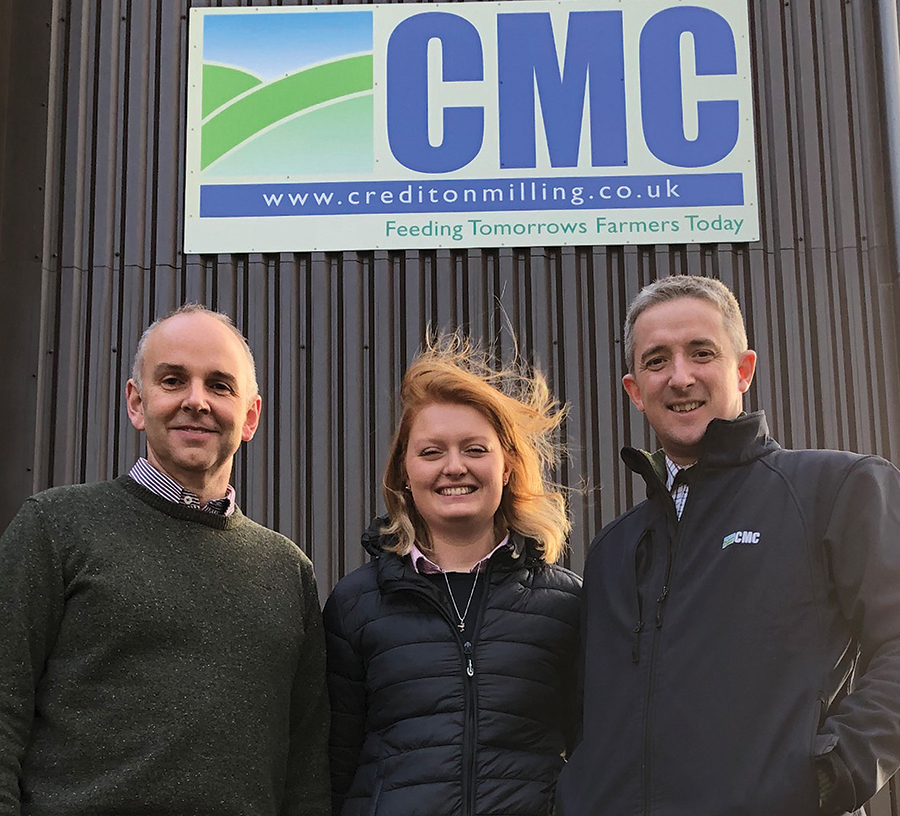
31, 607
347, 689
306, 786
859, 743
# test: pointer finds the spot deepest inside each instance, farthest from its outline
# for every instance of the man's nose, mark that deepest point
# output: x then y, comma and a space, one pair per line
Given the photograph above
195, 399
682, 372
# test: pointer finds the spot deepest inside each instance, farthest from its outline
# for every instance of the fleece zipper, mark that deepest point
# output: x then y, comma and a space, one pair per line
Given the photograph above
675, 534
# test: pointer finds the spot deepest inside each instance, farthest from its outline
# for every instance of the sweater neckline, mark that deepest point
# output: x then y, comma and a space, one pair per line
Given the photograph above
180, 511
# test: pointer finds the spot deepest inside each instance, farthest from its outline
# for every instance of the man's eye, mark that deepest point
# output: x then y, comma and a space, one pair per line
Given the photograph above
704, 354
170, 382
223, 388
655, 363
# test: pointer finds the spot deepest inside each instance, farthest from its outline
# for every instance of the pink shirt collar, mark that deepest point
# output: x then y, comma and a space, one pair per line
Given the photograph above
423, 565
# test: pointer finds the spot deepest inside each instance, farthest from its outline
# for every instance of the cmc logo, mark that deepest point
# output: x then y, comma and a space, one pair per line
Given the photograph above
529, 76
741, 537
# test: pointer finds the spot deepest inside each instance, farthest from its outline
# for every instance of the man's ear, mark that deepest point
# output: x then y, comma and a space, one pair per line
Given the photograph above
251, 421
746, 369
634, 391
134, 404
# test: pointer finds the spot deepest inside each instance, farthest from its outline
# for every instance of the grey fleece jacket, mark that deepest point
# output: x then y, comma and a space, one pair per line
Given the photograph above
156, 660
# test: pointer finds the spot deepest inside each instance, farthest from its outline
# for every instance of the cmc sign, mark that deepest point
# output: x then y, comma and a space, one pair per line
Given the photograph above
469, 125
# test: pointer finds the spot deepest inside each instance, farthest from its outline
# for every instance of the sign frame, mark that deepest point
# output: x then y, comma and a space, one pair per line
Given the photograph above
399, 173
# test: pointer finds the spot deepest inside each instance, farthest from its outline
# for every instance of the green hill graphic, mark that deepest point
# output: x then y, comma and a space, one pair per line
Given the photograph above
272, 102
222, 83
331, 139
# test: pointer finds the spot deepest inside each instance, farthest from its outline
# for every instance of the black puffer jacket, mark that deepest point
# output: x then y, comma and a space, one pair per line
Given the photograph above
424, 723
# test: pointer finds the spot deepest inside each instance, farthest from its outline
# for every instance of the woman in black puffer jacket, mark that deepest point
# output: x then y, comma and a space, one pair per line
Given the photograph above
451, 656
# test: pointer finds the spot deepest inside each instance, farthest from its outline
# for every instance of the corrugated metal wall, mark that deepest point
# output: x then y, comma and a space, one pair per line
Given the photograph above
333, 332
24, 84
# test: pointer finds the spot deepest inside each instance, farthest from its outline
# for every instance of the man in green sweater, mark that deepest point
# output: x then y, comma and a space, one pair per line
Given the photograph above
160, 653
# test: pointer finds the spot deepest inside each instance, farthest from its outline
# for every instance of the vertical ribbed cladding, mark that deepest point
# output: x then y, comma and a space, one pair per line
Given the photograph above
332, 332
25, 68
822, 288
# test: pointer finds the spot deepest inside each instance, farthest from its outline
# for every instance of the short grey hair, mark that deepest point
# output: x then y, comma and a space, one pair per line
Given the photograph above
682, 286
192, 308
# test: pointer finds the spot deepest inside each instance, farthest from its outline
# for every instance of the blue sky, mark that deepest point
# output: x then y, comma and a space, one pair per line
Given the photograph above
271, 45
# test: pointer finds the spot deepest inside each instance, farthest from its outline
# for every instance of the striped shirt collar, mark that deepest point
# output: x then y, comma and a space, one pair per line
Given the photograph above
167, 488
679, 491
672, 471
423, 565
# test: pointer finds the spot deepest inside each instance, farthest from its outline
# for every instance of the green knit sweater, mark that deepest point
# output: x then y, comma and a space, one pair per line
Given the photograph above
158, 660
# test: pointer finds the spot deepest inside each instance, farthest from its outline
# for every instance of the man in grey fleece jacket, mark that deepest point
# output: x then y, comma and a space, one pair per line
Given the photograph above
160, 652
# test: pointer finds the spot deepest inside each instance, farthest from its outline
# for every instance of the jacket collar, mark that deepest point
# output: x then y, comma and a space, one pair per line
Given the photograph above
727, 443
393, 568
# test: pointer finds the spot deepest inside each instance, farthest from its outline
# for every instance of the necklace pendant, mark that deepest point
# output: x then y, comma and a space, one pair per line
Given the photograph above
461, 626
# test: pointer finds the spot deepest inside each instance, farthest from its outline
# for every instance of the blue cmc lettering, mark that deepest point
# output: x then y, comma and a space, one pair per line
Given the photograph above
527, 56
593, 71
407, 92
661, 87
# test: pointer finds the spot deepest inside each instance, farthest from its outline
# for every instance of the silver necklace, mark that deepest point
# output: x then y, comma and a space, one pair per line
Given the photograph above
462, 618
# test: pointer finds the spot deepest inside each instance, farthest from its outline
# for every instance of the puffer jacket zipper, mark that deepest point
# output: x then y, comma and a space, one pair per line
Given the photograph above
470, 728
470, 736
470, 688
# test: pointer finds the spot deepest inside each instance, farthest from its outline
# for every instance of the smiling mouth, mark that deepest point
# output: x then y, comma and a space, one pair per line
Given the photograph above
195, 430
456, 491
684, 407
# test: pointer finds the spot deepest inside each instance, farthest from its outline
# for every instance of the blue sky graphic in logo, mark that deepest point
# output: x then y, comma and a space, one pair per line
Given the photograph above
287, 93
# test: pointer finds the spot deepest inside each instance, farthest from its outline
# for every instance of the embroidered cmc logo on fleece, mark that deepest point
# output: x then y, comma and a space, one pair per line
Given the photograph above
740, 537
